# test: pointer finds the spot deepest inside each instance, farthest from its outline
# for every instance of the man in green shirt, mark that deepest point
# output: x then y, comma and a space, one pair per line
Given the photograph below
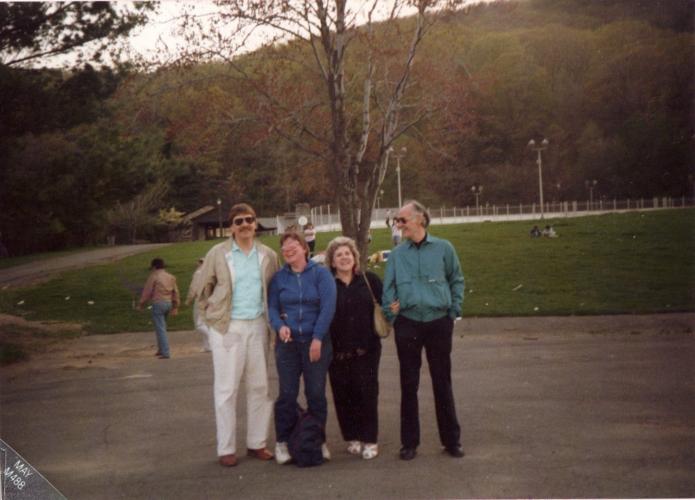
423, 292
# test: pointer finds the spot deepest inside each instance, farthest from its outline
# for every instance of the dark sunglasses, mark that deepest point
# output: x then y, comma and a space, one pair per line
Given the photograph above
400, 220
240, 220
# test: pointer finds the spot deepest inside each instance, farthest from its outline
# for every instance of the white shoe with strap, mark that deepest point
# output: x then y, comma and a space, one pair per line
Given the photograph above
370, 450
354, 447
282, 454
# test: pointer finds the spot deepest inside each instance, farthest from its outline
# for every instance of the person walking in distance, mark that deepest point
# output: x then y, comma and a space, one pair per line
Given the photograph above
423, 294
162, 292
232, 299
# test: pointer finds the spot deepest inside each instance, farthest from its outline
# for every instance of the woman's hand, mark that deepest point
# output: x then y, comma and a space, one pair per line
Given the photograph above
395, 306
315, 351
285, 334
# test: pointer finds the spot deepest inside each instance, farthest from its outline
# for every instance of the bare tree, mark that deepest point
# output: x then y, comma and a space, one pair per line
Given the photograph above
366, 110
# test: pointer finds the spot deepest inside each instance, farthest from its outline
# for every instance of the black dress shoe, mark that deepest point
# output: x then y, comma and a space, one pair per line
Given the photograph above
455, 451
407, 453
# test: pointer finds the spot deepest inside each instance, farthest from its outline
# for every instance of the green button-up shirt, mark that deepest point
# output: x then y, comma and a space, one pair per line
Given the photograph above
426, 279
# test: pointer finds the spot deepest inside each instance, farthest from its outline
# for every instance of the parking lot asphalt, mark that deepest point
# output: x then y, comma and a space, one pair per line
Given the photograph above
549, 407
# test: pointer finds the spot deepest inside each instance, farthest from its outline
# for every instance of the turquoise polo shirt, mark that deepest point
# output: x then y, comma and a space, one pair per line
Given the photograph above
247, 299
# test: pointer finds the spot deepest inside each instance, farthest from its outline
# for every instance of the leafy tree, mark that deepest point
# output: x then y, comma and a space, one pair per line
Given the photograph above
57, 185
30, 31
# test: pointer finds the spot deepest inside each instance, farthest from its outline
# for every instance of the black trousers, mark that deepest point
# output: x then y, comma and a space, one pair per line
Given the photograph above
355, 386
436, 338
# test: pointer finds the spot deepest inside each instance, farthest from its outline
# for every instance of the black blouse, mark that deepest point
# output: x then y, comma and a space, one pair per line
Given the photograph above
353, 324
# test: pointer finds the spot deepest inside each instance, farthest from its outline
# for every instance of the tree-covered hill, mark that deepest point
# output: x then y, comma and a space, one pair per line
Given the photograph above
608, 83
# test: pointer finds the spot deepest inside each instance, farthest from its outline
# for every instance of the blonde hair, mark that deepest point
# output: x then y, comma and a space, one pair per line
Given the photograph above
342, 241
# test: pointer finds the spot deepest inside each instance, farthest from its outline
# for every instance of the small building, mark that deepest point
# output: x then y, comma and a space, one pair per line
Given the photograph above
209, 222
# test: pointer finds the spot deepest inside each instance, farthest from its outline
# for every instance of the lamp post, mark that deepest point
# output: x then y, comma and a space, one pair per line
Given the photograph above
590, 186
219, 215
477, 191
401, 152
540, 147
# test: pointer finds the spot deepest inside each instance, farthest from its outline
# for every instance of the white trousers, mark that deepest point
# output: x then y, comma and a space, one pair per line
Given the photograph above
241, 353
202, 328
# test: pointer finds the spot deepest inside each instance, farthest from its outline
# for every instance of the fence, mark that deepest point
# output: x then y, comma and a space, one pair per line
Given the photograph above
327, 217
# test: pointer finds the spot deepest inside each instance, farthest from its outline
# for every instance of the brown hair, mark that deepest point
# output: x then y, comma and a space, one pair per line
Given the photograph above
342, 241
298, 237
240, 208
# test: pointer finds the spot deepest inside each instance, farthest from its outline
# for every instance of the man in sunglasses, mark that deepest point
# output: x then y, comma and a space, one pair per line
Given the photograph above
423, 293
233, 299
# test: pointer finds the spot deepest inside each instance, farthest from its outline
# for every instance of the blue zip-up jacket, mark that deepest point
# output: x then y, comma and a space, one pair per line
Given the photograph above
303, 301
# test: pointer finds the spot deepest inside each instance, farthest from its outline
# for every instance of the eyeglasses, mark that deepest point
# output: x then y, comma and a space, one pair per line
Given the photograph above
238, 221
289, 246
400, 220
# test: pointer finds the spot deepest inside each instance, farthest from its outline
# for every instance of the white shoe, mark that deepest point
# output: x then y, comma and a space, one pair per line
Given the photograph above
325, 452
282, 454
370, 450
354, 447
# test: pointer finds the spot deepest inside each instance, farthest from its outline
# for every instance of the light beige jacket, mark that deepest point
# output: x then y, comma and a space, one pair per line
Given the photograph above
161, 286
217, 283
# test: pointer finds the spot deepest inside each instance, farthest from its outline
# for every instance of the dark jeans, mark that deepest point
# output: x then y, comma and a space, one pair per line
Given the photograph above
355, 385
435, 337
292, 361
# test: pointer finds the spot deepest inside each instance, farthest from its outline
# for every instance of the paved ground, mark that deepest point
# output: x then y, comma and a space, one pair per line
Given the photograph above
550, 407
44, 268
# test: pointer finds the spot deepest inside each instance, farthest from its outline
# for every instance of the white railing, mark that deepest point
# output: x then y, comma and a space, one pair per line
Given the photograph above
327, 218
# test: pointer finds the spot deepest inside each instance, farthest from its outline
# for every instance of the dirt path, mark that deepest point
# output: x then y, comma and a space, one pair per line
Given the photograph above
41, 270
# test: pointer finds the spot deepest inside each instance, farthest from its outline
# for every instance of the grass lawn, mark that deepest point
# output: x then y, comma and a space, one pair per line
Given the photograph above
609, 264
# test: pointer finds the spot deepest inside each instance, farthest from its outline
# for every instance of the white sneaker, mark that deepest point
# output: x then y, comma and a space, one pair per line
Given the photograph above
370, 450
354, 447
325, 452
282, 454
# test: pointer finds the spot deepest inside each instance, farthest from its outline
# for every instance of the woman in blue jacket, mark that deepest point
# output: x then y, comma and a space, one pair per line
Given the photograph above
301, 303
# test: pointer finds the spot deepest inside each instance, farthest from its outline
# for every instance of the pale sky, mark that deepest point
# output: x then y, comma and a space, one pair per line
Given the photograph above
148, 41
158, 38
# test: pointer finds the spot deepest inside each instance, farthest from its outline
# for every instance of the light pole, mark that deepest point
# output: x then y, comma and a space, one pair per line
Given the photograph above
477, 191
590, 186
401, 152
219, 215
543, 145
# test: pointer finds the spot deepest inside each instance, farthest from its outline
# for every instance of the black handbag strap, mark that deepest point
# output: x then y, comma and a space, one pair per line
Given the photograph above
364, 275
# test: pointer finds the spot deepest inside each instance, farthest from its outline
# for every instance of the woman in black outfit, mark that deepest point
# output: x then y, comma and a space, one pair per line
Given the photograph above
356, 349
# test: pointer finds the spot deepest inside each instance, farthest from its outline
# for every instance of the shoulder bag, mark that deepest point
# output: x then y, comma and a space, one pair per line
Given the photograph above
382, 327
